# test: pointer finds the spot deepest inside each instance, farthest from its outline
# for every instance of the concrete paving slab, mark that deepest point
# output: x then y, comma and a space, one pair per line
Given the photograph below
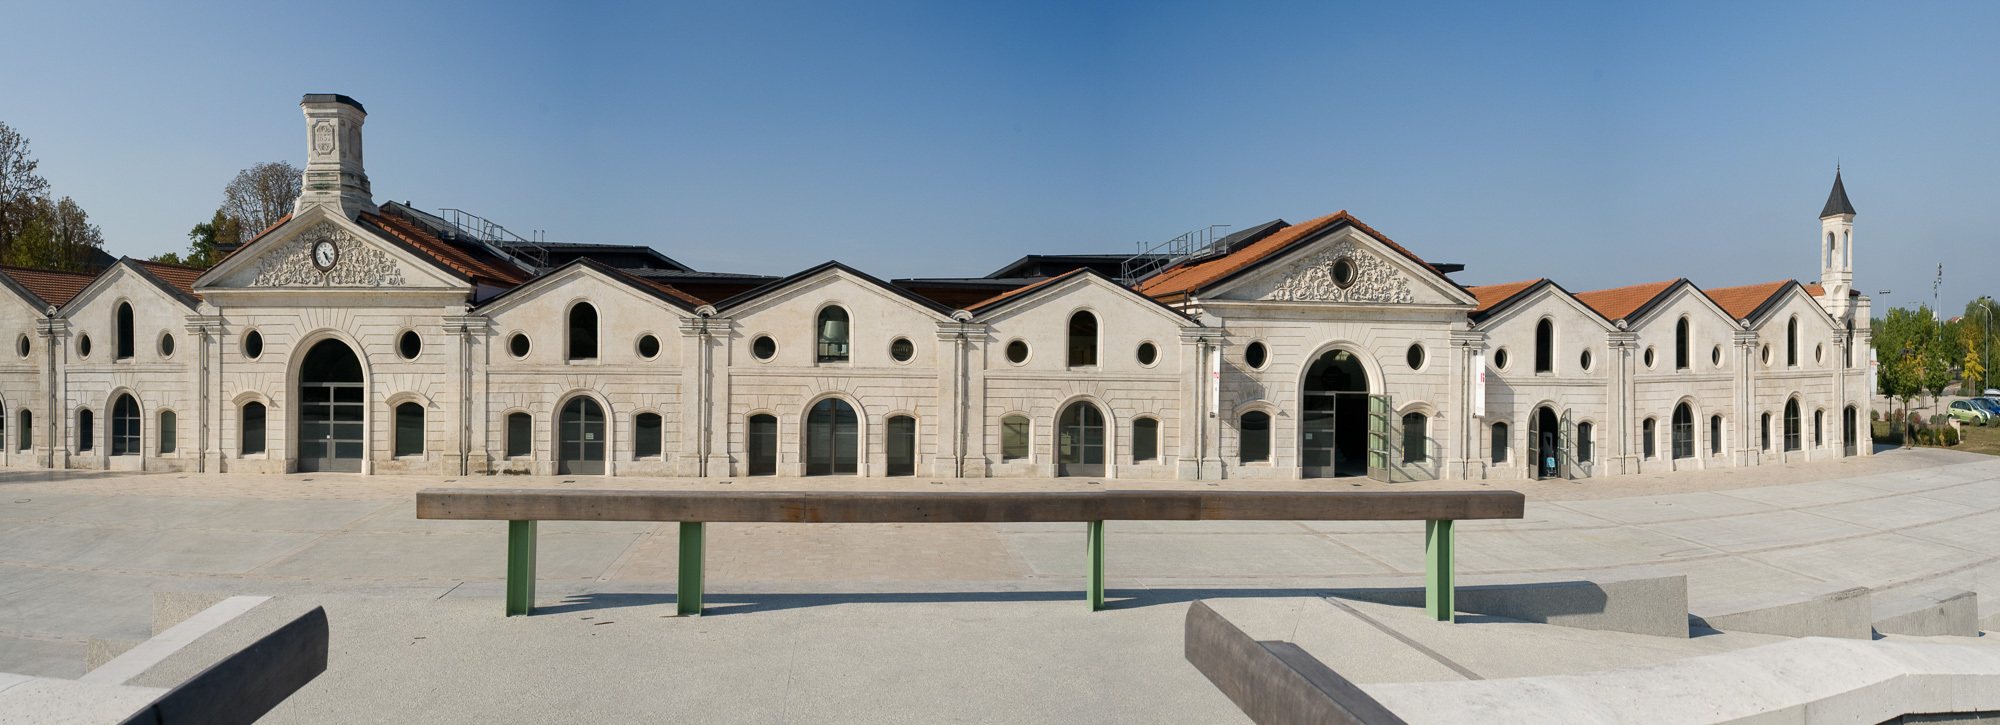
1726, 576
1534, 550
43, 657
448, 556
37, 505
742, 552
209, 513
1171, 555
1871, 561
1759, 531
1908, 481
1896, 513
1807, 494
1350, 644
1978, 494
1979, 532
1669, 507
164, 550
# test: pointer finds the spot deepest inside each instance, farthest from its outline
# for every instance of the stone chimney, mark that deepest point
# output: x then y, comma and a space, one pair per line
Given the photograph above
334, 177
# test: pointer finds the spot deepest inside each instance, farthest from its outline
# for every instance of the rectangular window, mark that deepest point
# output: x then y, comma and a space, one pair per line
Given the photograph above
167, 432
1764, 433
1145, 439
646, 430
520, 435
1715, 435
26, 431
1646, 437
1416, 438
1499, 442
86, 430
1256, 444
1014, 437
410, 429
1583, 442
1819, 422
253, 428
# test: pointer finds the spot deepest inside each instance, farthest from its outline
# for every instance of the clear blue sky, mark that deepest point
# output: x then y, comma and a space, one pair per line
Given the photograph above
1600, 144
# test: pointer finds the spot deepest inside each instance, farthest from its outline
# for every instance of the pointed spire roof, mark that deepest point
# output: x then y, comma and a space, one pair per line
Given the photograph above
1836, 202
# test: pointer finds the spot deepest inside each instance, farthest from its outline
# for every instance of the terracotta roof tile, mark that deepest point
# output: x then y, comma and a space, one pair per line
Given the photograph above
1816, 289
182, 277
1186, 278
1018, 291
56, 288
1739, 302
478, 265
1493, 294
1619, 303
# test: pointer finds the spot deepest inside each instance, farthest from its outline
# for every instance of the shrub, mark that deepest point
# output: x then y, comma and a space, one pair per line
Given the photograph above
1950, 437
1874, 414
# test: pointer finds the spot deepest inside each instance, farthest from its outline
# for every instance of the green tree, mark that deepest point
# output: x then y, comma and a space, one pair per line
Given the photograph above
59, 236
205, 239
21, 190
1979, 330
1902, 347
261, 195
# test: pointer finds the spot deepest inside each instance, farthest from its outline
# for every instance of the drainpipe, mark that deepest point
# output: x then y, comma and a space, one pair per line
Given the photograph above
55, 413
702, 394
964, 397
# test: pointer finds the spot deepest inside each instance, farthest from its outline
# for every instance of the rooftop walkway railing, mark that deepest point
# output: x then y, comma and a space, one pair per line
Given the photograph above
523, 508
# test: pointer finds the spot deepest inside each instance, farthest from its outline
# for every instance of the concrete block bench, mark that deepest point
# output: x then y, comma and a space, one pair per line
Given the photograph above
523, 508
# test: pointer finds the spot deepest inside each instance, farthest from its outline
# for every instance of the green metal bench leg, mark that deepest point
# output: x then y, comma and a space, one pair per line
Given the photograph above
687, 600
1094, 578
1440, 594
520, 568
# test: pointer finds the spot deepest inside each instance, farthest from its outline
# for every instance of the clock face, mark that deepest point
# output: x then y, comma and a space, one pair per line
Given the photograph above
324, 255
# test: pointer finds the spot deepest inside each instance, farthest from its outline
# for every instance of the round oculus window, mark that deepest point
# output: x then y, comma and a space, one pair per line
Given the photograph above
1148, 354
1649, 357
902, 349
1767, 354
1017, 352
24, 346
1585, 360
1343, 272
409, 345
1715, 356
167, 345
1819, 352
763, 347
83, 345
1256, 355
649, 346
253, 344
1500, 358
518, 345
1415, 357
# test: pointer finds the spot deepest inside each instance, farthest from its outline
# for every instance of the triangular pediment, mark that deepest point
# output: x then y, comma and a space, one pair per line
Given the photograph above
361, 260
1311, 272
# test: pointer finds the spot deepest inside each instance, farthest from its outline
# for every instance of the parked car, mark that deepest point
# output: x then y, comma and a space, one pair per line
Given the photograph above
1964, 410
1991, 406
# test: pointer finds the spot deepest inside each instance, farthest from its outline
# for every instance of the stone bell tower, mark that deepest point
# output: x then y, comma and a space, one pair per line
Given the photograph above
1836, 249
334, 177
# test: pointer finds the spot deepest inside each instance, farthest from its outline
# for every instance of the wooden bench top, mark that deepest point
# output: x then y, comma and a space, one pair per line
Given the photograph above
858, 507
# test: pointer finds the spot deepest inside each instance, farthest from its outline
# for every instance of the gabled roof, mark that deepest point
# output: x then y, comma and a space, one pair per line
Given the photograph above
1625, 302
142, 269
1010, 297
1492, 295
1836, 202
178, 276
1191, 276
995, 301
663, 292
1743, 302
780, 284
466, 260
48, 287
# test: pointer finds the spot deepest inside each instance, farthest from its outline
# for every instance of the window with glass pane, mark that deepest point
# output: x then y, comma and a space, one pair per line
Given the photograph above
1545, 346
253, 428
520, 434
125, 426
1764, 432
1083, 339
125, 331
1585, 442
1792, 425
1014, 437
25, 431
1715, 435
583, 332
168, 434
646, 430
1499, 442
1819, 423
410, 429
1145, 439
1683, 431
1416, 438
1646, 437
86, 430
1256, 445
833, 335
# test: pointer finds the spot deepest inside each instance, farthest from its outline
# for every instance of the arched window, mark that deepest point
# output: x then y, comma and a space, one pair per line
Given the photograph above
900, 445
1819, 428
1416, 438
124, 334
125, 426
1256, 445
1681, 344
1499, 442
1145, 439
1764, 433
583, 332
1792, 343
1585, 441
253, 428
410, 429
763, 445
25, 430
168, 434
647, 429
1683, 431
1545, 346
833, 335
86, 430
1646, 440
1792, 424
1082, 339
1013, 437
520, 434
1715, 435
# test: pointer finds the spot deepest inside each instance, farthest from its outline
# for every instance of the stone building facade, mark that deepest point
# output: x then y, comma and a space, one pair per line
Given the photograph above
380, 338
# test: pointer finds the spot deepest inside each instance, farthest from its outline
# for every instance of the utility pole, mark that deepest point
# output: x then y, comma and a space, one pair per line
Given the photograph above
1934, 292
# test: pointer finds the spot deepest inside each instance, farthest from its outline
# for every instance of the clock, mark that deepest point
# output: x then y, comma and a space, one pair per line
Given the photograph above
324, 255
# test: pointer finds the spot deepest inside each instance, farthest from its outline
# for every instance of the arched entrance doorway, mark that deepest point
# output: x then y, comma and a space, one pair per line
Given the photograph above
1545, 443
833, 439
1333, 429
332, 406
580, 438
1080, 441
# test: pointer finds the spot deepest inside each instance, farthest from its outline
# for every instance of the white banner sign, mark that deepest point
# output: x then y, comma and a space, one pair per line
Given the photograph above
1215, 383
1479, 384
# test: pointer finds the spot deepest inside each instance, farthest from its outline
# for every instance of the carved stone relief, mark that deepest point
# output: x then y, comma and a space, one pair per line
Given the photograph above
1312, 279
360, 265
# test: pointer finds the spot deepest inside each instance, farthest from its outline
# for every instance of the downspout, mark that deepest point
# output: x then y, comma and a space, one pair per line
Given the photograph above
702, 394
201, 409
55, 414
465, 398
964, 397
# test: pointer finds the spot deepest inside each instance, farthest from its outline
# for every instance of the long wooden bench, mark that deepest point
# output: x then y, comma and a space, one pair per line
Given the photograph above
523, 508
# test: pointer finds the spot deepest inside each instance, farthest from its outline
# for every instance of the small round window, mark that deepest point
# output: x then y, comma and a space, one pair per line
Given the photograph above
1649, 357
24, 346
409, 345
1500, 359
1017, 352
1715, 356
518, 345
649, 347
1585, 360
167, 344
1148, 354
83, 346
1343, 272
902, 349
1766, 354
1415, 356
1256, 355
1819, 352
763, 347
253, 344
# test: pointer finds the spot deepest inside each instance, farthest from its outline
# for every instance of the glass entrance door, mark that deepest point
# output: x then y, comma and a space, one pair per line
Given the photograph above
332, 406
832, 439
1080, 441
580, 439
